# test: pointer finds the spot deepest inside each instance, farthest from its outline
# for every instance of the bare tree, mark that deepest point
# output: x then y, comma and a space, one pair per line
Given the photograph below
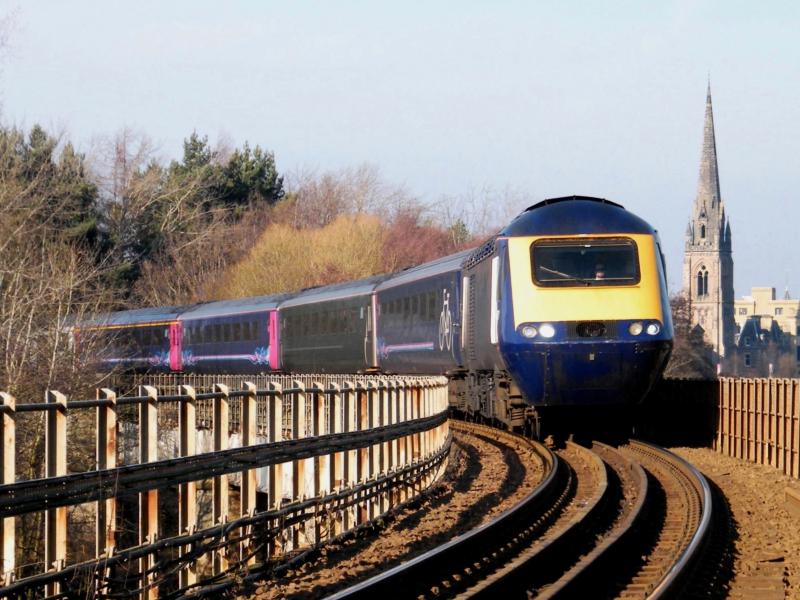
316, 199
692, 356
481, 212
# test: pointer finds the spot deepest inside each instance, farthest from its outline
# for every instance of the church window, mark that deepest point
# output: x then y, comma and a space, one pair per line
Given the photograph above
747, 360
742, 311
798, 354
747, 340
778, 310
703, 231
702, 282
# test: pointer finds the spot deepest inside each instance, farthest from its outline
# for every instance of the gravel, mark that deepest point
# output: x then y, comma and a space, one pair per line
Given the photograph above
483, 479
767, 539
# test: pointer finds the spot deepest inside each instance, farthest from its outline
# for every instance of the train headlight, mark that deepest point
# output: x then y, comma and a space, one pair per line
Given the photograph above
547, 330
635, 328
528, 331
653, 329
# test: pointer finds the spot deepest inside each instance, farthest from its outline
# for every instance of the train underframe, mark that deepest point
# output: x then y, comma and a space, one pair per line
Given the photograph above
494, 396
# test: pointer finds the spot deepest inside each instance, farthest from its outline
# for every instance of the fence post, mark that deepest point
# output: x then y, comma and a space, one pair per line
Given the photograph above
385, 447
795, 412
276, 471
321, 463
374, 465
407, 443
249, 476
350, 456
221, 442
298, 466
336, 459
391, 396
8, 442
55, 532
106, 513
148, 501
187, 495
363, 454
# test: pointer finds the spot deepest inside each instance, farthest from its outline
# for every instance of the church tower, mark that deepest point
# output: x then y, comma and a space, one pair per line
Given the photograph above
708, 258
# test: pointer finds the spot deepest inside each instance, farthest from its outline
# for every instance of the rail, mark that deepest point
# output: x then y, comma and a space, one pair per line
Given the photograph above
446, 558
345, 456
681, 567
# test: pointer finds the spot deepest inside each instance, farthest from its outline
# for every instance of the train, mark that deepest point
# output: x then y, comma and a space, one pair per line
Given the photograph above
565, 308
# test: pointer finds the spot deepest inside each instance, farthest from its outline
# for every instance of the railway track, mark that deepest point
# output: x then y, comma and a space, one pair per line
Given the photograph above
602, 523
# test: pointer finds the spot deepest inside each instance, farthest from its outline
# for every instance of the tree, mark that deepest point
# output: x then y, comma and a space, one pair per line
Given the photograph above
50, 277
249, 177
692, 356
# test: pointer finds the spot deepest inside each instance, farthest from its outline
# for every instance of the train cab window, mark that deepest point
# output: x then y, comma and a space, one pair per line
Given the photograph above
589, 262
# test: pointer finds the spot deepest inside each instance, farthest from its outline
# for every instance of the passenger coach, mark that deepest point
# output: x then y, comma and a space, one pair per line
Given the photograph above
567, 306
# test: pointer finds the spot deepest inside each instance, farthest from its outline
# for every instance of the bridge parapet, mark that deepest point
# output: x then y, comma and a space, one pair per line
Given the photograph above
273, 467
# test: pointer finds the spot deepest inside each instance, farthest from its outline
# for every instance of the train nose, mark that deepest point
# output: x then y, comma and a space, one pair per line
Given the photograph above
588, 373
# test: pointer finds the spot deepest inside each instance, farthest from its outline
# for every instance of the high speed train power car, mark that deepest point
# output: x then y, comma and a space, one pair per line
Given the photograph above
567, 306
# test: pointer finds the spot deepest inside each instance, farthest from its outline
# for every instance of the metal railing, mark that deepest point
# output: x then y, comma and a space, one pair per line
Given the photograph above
348, 452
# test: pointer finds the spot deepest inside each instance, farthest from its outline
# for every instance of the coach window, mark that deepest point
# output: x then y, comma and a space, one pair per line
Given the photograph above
226, 332
236, 330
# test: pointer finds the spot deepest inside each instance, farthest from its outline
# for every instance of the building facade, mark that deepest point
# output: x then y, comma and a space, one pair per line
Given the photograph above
768, 335
708, 255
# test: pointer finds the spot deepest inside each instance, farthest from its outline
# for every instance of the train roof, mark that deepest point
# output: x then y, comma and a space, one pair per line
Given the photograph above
137, 316
445, 264
576, 215
336, 291
236, 306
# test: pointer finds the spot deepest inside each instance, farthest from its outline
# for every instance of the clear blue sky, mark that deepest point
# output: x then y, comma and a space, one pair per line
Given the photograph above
553, 98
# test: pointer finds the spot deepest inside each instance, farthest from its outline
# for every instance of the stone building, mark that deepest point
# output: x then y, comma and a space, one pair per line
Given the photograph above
767, 335
708, 255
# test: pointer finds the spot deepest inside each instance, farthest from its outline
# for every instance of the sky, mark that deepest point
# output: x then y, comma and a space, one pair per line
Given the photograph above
445, 98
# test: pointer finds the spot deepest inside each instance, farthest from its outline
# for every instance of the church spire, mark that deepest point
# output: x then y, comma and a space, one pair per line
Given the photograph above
708, 194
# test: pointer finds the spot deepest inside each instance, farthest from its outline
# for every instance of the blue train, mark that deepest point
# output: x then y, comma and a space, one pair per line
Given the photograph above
567, 306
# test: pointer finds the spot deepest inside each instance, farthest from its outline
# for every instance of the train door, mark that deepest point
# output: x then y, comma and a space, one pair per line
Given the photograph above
272, 331
175, 334
370, 357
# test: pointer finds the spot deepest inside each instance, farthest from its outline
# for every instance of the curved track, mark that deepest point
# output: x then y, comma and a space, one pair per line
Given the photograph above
603, 523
